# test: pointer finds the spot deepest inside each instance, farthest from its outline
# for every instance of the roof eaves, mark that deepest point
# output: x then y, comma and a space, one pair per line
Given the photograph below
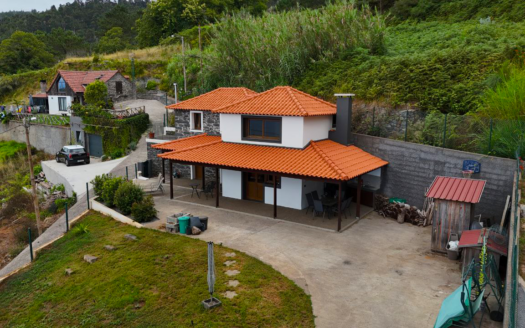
189, 148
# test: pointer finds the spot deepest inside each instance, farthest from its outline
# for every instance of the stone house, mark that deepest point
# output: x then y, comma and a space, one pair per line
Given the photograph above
68, 87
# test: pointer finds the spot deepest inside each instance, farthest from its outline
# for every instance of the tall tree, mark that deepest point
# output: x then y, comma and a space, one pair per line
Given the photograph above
112, 41
23, 52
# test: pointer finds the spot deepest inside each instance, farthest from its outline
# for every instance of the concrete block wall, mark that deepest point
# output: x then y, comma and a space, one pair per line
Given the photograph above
413, 167
47, 138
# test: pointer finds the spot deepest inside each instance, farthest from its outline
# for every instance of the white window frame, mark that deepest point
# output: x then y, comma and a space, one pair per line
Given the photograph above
66, 106
191, 121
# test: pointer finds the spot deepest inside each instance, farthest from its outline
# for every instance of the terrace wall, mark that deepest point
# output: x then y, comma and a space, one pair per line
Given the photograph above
47, 138
413, 167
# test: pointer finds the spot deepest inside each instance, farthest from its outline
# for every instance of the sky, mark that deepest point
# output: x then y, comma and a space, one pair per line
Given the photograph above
28, 5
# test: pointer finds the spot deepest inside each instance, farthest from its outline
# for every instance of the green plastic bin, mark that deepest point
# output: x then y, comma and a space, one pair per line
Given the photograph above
183, 224
397, 200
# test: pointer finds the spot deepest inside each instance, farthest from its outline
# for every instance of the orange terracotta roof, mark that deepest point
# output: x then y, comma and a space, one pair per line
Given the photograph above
281, 101
214, 99
179, 144
321, 159
77, 79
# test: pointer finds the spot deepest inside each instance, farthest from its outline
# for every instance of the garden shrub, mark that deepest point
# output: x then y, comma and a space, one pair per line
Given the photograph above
109, 190
37, 169
98, 184
61, 203
151, 85
144, 211
126, 195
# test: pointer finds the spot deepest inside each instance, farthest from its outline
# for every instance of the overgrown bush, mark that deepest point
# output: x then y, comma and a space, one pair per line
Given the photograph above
98, 183
109, 190
61, 202
144, 210
127, 194
151, 85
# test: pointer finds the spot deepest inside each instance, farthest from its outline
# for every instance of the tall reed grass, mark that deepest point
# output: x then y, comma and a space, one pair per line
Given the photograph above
261, 52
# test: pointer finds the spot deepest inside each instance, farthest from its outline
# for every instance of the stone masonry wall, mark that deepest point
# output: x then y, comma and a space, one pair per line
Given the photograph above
127, 88
413, 167
211, 124
184, 170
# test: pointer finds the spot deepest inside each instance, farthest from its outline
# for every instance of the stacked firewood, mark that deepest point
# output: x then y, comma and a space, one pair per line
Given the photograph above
400, 212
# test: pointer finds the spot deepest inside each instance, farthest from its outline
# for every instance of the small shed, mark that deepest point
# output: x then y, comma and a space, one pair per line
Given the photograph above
454, 201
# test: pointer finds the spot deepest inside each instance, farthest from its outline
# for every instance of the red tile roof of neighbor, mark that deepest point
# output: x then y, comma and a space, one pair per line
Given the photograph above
77, 79
321, 159
197, 140
40, 95
281, 101
214, 99
456, 189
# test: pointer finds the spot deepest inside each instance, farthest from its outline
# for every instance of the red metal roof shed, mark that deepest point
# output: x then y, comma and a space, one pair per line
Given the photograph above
457, 189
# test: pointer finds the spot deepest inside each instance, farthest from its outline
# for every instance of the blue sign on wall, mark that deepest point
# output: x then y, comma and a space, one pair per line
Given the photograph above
470, 165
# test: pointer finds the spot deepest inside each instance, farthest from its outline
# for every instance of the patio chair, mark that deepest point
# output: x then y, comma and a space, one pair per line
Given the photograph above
208, 190
150, 185
458, 309
315, 195
171, 219
310, 201
319, 208
344, 206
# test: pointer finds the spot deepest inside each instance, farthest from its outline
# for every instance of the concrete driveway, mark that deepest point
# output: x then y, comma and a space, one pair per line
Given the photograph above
378, 273
74, 177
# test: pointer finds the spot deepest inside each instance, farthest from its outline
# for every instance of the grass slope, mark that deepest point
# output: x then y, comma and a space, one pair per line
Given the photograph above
10, 148
157, 281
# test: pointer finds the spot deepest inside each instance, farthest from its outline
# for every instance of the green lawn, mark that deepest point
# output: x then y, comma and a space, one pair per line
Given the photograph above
157, 281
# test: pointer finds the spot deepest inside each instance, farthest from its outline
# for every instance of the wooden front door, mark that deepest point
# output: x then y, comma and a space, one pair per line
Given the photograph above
254, 186
198, 172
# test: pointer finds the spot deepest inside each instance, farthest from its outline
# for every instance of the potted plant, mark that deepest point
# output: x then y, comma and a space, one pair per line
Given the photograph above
151, 134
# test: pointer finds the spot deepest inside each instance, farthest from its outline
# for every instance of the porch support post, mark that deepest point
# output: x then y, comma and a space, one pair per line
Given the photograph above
163, 170
339, 206
217, 178
203, 177
275, 197
358, 200
171, 179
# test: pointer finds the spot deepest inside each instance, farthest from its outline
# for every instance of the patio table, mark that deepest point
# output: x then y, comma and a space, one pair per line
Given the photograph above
195, 188
329, 202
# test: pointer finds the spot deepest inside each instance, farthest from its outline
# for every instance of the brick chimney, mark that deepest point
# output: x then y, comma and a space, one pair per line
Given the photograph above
43, 86
343, 120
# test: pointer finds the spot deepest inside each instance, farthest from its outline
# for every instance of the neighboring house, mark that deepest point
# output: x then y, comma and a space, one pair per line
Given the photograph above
68, 87
280, 142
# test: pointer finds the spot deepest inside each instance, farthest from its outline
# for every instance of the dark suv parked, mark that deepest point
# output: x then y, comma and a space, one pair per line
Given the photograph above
72, 154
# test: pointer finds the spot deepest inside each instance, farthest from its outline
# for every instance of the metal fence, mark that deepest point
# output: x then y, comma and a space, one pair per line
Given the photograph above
512, 284
470, 133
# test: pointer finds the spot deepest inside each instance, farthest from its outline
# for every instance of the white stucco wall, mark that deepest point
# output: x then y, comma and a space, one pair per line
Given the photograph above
289, 195
53, 105
231, 184
316, 128
292, 127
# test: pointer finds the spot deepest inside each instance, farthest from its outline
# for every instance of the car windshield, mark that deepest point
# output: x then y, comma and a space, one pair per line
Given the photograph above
77, 151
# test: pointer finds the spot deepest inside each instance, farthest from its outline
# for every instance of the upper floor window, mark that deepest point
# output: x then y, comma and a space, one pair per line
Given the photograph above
262, 128
196, 121
61, 85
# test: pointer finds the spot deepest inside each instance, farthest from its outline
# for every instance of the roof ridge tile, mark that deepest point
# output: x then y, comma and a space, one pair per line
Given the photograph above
301, 108
328, 160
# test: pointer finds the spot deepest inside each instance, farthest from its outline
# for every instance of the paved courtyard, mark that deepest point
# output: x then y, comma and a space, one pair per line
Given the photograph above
378, 273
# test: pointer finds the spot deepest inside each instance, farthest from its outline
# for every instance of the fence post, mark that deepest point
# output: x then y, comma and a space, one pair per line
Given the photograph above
30, 243
490, 136
67, 219
406, 125
127, 178
87, 193
445, 131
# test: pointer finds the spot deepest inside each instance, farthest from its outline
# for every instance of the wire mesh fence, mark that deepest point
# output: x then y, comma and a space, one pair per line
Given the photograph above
469, 133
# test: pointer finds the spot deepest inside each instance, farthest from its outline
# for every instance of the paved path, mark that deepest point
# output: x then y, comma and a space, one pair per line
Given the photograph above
376, 274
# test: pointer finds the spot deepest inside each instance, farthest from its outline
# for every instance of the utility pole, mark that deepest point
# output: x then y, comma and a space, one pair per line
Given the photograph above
32, 176
184, 65
175, 87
